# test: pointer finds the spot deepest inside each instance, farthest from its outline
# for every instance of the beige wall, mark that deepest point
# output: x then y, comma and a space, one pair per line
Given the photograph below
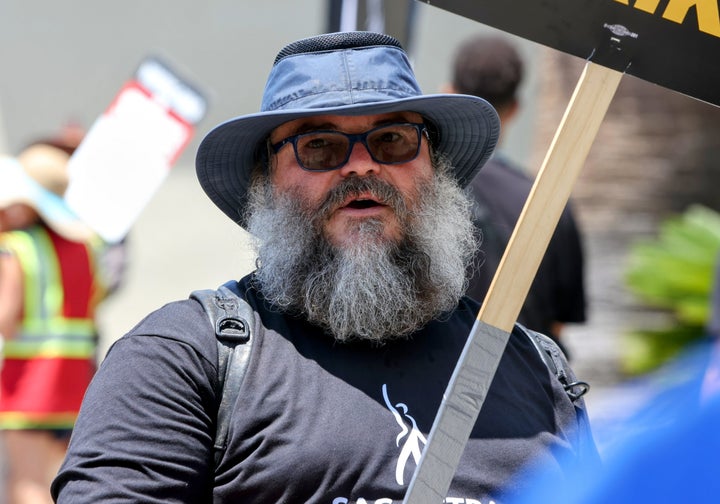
65, 61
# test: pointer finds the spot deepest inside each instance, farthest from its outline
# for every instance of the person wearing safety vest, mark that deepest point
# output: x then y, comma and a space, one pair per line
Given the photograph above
50, 285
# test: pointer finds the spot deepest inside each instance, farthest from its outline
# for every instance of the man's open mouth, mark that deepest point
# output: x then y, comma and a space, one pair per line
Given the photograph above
363, 203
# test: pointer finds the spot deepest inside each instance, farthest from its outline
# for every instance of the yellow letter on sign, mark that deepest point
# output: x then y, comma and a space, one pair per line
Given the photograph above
707, 14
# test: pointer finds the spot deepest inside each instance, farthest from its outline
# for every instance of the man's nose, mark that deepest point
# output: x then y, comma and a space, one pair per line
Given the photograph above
360, 162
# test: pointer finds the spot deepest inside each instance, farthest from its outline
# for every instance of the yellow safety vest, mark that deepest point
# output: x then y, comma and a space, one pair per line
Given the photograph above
44, 330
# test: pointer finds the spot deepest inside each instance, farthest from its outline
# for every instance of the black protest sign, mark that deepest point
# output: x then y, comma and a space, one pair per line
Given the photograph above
672, 43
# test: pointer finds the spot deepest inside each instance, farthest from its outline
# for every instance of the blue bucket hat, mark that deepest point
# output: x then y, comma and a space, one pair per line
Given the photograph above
347, 73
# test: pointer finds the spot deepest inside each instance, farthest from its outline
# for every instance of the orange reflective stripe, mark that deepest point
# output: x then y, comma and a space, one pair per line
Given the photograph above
34, 328
49, 348
28, 420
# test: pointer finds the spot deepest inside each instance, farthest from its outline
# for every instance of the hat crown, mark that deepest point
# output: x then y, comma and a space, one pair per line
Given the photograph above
339, 69
340, 74
335, 41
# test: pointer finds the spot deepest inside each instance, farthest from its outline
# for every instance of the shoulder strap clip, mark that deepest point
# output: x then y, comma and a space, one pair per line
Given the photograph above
552, 356
231, 317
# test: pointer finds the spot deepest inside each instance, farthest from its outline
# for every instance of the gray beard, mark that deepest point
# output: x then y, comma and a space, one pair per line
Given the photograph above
373, 289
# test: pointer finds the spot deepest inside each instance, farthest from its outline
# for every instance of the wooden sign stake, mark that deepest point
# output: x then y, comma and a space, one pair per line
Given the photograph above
476, 367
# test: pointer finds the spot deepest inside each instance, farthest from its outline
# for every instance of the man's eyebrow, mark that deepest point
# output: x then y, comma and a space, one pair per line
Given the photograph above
305, 128
310, 126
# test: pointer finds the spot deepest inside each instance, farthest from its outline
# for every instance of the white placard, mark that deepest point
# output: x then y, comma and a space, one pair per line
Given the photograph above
129, 151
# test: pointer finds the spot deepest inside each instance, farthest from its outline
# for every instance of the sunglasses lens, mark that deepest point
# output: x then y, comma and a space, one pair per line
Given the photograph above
396, 143
327, 150
323, 150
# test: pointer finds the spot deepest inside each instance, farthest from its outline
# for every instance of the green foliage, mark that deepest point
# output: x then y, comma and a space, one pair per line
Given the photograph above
674, 273
645, 350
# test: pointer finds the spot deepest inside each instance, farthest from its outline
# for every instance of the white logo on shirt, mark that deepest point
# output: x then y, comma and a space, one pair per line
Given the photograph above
413, 442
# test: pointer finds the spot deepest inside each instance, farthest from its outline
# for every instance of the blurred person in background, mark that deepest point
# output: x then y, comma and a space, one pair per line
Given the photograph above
50, 285
491, 67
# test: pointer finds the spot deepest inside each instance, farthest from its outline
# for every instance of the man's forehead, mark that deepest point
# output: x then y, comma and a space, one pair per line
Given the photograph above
349, 124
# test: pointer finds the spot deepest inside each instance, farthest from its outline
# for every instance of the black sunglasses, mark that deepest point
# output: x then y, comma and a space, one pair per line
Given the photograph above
326, 150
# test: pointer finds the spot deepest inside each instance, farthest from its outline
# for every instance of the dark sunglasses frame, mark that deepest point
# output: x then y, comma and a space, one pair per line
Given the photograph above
353, 138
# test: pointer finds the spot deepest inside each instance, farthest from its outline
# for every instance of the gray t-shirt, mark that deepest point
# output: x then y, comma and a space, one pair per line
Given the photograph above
316, 420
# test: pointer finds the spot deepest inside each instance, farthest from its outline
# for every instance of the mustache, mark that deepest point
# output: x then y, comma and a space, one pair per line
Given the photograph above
352, 187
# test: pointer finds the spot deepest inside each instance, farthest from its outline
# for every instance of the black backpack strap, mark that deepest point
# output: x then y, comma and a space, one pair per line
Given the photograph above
232, 319
552, 355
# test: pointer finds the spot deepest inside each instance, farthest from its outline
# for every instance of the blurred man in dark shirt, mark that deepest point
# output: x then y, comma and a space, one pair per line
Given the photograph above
490, 67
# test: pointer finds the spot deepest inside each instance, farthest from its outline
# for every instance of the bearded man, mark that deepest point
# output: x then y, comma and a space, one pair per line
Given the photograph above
351, 181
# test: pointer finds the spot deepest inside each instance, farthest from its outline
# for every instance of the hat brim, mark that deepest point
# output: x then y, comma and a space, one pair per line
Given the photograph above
467, 130
18, 187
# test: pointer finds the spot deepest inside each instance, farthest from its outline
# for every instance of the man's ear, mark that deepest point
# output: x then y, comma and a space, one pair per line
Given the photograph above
509, 111
448, 88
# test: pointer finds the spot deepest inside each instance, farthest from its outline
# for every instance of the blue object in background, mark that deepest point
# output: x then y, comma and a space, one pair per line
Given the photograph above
668, 452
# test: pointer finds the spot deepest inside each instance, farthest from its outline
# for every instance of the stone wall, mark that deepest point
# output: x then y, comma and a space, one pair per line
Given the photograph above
656, 152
